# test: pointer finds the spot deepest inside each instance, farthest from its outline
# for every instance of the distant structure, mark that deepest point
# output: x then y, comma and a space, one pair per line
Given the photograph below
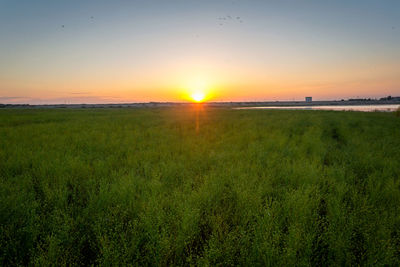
308, 99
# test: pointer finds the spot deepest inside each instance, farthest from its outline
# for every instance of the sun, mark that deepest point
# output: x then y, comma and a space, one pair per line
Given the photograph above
197, 90
198, 96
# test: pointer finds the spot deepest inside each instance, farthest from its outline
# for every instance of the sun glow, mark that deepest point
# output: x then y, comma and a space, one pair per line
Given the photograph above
198, 89
198, 96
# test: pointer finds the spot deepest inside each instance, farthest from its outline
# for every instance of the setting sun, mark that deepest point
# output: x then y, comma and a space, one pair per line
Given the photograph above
198, 96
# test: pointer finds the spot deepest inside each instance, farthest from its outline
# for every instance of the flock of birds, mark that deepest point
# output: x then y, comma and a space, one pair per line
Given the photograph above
222, 20
229, 18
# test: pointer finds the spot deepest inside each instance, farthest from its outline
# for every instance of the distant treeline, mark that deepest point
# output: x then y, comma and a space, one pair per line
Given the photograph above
387, 98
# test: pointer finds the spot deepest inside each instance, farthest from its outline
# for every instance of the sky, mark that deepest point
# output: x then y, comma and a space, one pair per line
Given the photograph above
166, 50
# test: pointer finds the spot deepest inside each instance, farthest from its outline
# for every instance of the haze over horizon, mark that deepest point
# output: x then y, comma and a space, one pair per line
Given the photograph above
163, 51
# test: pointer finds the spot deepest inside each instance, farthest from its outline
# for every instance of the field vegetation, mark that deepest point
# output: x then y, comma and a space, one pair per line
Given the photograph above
192, 186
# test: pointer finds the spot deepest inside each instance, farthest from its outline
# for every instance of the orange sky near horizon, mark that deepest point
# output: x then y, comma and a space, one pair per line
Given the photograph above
221, 83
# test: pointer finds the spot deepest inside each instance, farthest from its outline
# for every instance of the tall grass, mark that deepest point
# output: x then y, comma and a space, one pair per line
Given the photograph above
248, 187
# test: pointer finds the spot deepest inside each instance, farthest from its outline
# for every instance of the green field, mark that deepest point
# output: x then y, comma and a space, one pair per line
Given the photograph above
184, 187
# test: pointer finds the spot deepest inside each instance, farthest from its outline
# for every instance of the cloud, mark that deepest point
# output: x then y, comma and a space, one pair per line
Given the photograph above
80, 93
13, 99
63, 100
10, 97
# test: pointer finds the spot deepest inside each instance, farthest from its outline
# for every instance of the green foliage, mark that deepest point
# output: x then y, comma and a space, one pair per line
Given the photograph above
237, 187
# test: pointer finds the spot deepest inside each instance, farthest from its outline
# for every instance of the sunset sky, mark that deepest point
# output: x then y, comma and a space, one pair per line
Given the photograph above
140, 51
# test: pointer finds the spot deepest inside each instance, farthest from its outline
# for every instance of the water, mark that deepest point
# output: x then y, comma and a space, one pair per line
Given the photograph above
364, 108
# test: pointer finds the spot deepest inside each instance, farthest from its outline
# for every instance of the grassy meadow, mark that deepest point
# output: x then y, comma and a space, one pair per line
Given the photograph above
192, 186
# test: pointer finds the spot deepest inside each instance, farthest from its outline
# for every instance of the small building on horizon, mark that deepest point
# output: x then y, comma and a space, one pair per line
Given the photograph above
308, 98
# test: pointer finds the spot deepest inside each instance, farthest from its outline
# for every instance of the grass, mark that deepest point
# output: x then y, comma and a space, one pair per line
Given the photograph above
242, 187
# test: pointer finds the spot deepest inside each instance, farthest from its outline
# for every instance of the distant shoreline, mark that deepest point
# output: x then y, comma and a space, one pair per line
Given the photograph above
209, 104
